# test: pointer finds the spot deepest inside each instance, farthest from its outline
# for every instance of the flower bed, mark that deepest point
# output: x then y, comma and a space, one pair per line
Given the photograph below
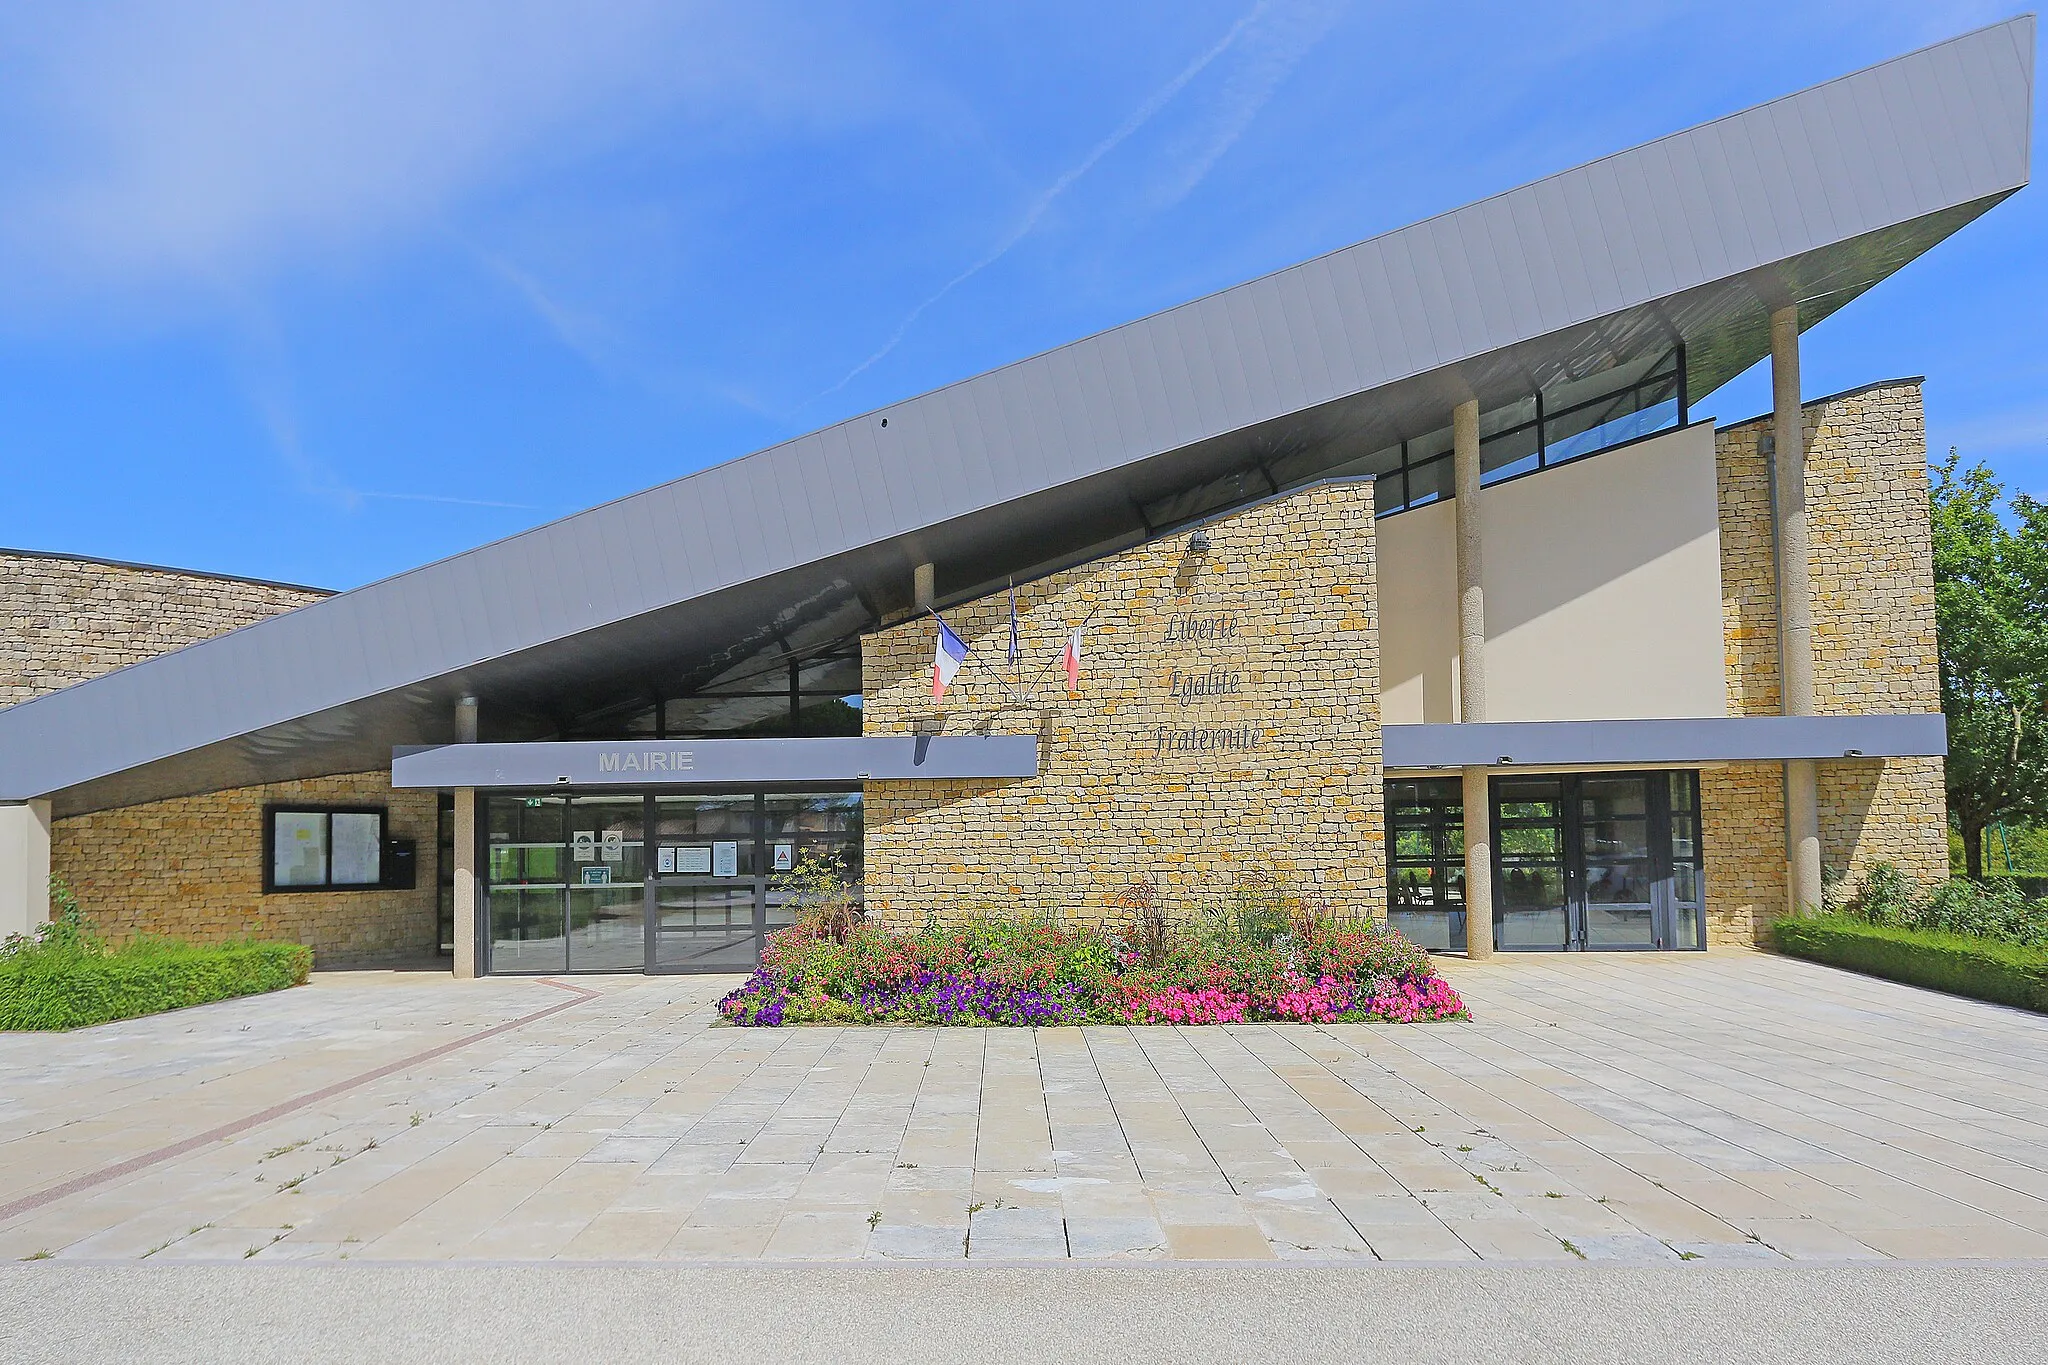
989, 970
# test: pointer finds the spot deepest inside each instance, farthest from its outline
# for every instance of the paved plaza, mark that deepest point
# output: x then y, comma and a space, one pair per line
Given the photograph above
1642, 1109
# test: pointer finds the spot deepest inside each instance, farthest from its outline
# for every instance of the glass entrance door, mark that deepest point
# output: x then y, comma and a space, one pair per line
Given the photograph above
1591, 861
633, 881
1615, 876
707, 911
1531, 863
566, 884
1597, 861
607, 886
1426, 836
527, 864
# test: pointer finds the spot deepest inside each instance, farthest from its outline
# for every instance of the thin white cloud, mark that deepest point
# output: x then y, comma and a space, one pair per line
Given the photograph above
1038, 207
581, 332
1268, 54
265, 380
170, 145
612, 352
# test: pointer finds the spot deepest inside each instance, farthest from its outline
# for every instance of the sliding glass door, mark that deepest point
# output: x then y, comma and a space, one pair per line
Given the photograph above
707, 887
527, 866
1591, 861
637, 881
566, 881
607, 886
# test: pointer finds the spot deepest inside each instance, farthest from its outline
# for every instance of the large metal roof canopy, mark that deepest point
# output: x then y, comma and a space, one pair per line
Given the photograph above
1691, 239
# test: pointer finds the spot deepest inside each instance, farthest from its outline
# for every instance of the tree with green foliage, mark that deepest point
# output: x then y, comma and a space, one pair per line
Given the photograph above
1991, 611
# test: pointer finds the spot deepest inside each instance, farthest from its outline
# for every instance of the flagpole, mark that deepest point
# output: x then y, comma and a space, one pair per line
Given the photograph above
1083, 625
1009, 690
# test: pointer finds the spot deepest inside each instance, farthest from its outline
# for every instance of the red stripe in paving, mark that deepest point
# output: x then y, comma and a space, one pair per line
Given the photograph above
276, 1111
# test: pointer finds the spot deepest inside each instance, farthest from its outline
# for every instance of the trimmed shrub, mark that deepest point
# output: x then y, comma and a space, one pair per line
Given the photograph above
1995, 909
2003, 973
57, 985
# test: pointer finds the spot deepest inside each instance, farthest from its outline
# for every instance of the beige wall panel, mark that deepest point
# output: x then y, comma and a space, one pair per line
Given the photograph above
192, 868
24, 866
1226, 721
1418, 562
1602, 593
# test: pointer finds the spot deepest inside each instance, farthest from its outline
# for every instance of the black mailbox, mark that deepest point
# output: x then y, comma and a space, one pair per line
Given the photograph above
401, 864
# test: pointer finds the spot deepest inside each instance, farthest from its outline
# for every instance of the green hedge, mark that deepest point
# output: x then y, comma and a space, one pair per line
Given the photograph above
1964, 965
49, 987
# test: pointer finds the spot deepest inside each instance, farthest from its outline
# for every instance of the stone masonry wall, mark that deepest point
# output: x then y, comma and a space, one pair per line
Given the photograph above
65, 620
1227, 722
192, 868
1874, 650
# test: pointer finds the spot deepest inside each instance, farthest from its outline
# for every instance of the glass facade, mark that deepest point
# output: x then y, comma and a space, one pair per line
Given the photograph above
1592, 861
637, 881
1549, 427
812, 694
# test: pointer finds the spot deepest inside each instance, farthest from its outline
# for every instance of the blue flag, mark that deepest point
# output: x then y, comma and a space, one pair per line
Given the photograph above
1016, 649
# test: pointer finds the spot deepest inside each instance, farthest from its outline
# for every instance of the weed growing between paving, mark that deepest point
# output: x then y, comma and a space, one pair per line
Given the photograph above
1256, 953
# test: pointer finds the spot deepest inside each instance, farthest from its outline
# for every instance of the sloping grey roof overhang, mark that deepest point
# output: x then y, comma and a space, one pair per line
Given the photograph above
1650, 743
1812, 198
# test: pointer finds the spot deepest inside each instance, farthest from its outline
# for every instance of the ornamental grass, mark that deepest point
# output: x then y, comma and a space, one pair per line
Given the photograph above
1256, 954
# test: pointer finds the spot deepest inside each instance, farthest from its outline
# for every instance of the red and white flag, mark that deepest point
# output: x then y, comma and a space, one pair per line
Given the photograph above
1070, 659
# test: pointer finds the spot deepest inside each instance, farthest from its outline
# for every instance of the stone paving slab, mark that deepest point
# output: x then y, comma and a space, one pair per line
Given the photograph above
1720, 1108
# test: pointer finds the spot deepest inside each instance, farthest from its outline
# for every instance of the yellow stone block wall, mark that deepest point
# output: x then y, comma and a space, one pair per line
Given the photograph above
65, 620
1874, 650
1742, 828
1227, 720
192, 868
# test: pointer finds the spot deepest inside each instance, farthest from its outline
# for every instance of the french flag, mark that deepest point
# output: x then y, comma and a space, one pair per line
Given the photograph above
946, 660
1070, 660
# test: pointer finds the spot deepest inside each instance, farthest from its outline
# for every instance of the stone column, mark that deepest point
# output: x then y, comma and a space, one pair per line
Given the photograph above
24, 866
1472, 677
1795, 609
465, 852
923, 587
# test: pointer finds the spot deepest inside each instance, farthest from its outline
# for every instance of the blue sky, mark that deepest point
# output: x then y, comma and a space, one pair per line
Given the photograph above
322, 291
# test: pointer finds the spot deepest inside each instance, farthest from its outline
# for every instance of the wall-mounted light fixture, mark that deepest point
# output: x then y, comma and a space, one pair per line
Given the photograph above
1852, 753
1198, 543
